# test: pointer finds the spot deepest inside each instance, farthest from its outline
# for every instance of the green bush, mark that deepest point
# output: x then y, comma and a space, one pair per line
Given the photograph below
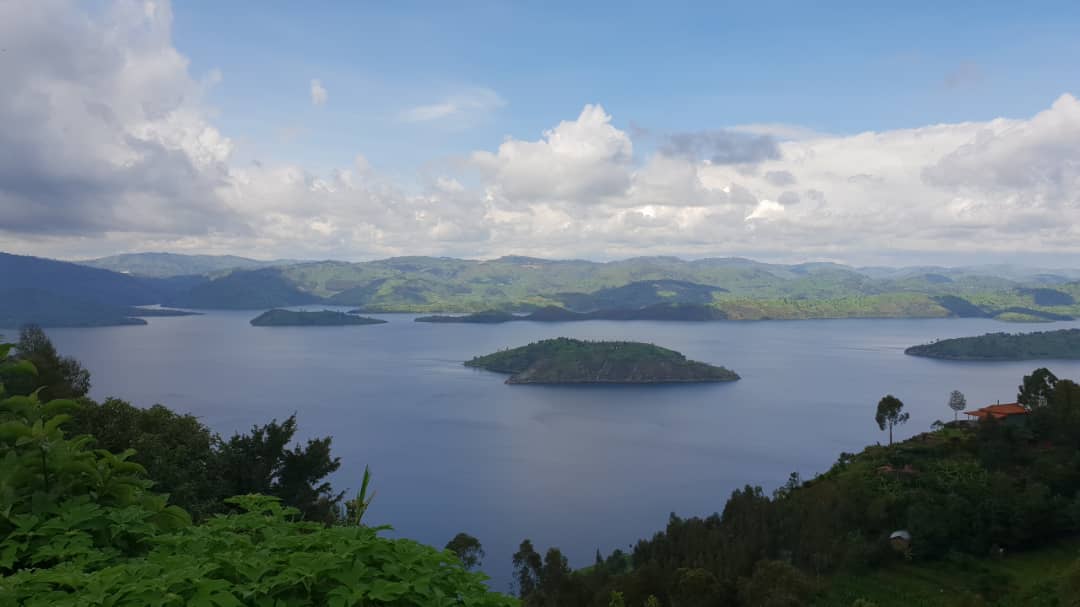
80, 526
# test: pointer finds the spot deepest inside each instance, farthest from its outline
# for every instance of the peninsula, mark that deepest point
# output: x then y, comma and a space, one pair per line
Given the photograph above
324, 318
573, 361
1062, 344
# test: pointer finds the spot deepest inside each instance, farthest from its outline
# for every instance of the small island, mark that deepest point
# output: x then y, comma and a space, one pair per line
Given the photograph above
574, 361
1061, 344
323, 318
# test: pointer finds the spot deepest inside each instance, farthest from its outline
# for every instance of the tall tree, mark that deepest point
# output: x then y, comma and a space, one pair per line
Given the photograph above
262, 462
890, 414
957, 402
57, 376
467, 548
528, 566
1037, 388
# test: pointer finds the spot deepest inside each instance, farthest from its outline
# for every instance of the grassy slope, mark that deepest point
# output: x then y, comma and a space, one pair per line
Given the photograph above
1025, 579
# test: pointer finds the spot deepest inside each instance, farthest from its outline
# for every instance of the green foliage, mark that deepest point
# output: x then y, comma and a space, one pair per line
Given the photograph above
564, 360
547, 581
358, 506
776, 584
890, 414
61, 501
57, 377
957, 402
260, 557
1061, 344
80, 526
262, 462
177, 451
468, 550
1037, 388
323, 318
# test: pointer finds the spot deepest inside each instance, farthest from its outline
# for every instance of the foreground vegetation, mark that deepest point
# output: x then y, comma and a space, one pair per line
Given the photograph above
321, 318
84, 526
1043, 345
573, 361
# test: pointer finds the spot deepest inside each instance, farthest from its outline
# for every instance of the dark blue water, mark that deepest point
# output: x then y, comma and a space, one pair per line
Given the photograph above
455, 449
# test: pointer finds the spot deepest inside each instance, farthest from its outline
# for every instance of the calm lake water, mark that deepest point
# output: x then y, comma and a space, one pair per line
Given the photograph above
455, 449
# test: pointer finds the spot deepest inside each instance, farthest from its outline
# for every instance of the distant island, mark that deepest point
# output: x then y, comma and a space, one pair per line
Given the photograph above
685, 312
1061, 344
322, 318
573, 361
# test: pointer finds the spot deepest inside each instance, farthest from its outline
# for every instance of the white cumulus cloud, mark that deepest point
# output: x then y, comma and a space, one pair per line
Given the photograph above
107, 145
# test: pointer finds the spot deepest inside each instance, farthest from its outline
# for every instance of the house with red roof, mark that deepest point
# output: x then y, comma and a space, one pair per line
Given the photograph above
1011, 413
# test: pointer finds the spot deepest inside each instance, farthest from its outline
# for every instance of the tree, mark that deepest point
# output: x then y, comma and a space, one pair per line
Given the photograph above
776, 584
176, 450
957, 403
890, 414
58, 376
527, 568
1037, 388
467, 548
262, 462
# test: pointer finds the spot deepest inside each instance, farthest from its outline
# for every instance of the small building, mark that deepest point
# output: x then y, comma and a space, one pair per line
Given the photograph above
1010, 413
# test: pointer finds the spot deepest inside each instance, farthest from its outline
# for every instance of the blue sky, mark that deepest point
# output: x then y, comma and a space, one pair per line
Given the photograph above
840, 67
859, 132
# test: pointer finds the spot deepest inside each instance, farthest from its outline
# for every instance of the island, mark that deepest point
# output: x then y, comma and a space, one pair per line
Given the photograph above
323, 318
573, 361
672, 311
1061, 344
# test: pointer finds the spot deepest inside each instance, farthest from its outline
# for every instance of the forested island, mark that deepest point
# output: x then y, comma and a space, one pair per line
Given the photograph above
1042, 345
574, 361
321, 318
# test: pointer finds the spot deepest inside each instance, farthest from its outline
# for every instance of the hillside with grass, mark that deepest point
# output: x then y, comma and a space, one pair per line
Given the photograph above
574, 361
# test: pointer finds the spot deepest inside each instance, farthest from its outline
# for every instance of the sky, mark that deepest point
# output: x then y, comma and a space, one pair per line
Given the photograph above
864, 133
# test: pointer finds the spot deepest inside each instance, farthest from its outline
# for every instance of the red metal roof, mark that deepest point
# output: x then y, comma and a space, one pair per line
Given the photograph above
998, 411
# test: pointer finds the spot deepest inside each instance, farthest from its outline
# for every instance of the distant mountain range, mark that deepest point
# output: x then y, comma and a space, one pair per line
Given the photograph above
164, 265
735, 288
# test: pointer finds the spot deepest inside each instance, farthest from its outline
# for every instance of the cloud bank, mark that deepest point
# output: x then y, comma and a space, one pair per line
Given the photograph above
108, 146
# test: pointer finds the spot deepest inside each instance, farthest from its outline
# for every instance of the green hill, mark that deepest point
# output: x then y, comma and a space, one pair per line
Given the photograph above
323, 318
165, 265
728, 288
1043, 345
572, 361
245, 290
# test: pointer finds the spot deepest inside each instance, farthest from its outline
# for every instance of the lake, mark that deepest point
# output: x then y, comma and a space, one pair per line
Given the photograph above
583, 467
